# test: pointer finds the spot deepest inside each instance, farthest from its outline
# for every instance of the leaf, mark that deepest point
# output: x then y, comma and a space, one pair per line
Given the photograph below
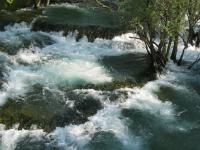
9, 1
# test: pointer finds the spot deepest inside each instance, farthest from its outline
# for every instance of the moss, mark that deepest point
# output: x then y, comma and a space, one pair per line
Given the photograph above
7, 17
92, 32
47, 111
132, 68
90, 22
15, 4
110, 86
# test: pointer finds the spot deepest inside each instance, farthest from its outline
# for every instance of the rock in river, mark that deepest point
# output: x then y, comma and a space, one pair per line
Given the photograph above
92, 22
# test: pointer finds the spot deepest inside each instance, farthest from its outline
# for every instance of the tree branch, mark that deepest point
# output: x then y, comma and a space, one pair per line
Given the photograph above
103, 5
195, 62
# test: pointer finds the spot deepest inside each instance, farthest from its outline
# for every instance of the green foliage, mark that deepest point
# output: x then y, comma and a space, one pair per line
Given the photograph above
9, 1
193, 11
157, 23
154, 15
15, 4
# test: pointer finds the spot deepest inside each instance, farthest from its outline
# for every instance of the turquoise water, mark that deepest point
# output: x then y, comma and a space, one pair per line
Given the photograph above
60, 94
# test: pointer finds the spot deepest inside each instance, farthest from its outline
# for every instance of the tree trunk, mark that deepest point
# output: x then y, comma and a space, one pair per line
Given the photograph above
158, 61
175, 49
195, 62
168, 48
48, 2
197, 44
182, 54
38, 3
35, 6
191, 35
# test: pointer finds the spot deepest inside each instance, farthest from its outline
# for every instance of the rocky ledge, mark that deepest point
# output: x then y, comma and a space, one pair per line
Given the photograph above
92, 22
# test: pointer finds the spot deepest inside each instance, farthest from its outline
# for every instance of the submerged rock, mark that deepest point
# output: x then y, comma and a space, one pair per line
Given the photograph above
87, 106
134, 68
48, 109
128, 70
104, 140
110, 86
87, 21
19, 40
4, 63
31, 143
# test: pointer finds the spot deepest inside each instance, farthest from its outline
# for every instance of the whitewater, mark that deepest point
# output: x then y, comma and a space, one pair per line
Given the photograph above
158, 114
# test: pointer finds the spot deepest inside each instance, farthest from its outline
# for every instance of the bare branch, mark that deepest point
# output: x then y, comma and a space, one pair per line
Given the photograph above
195, 62
103, 5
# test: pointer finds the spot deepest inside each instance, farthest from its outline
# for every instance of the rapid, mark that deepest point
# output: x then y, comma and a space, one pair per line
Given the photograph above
57, 93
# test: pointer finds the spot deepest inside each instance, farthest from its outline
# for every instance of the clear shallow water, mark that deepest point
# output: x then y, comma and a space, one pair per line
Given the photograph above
45, 93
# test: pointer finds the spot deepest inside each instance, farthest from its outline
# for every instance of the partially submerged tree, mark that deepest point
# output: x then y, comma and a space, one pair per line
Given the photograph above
157, 23
191, 32
193, 16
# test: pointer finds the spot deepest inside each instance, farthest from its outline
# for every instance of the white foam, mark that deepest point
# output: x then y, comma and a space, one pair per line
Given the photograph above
10, 138
29, 56
77, 136
10, 35
109, 119
3, 96
129, 42
73, 72
145, 100
71, 62
191, 52
18, 83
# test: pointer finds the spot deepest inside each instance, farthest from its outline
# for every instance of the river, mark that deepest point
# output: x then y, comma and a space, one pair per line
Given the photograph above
60, 94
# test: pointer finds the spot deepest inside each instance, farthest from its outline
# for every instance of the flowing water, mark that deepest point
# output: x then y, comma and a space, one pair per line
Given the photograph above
60, 94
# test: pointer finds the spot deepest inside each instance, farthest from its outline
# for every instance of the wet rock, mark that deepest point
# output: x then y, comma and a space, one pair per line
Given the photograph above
47, 109
9, 49
4, 63
88, 106
31, 143
87, 21
128, 70
134, 68
9, 18
36, 39
115, 84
